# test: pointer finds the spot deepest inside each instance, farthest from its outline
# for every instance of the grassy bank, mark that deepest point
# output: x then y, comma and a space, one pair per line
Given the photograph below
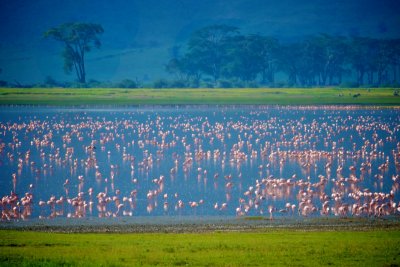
276, 247
282, 96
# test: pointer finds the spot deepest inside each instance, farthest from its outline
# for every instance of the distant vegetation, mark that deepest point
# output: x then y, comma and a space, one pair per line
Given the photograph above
223, 57
78, 39
220, 56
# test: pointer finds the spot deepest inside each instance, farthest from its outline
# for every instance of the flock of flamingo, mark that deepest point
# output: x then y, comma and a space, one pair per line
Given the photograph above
238, 161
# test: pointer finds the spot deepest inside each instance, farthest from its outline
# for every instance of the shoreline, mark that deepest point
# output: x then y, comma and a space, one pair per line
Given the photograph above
198, 96
151, 107
192, 224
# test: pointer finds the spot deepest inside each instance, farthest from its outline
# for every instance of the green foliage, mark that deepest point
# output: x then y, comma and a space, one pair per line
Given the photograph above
178, 84
349, 85
221, 53
161, 83
2, 83
78, 38
208, 49
225, 84
127, 83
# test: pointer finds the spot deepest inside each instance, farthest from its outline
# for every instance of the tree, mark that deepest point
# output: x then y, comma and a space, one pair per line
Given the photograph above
289, 61
316, 60
308, 62
2, 83
127, 83
359, 57
383, 60
247, 56
331, 57
78, 39
269, 57
244, 60
186, 69
394, 46
207, 47
219, 51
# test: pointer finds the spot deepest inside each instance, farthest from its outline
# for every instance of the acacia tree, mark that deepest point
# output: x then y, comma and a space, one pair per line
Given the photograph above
394, 57
208, 46
186, 69
359, 57
243, 57
330, 57
268, 52
78, 39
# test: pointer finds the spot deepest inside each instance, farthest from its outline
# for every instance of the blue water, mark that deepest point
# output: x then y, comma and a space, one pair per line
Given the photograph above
138, 154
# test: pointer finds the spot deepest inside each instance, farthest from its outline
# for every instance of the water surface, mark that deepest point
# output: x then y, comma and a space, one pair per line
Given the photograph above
199, 161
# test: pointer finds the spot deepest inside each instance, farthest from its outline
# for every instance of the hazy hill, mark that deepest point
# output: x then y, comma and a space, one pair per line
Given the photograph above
140, 36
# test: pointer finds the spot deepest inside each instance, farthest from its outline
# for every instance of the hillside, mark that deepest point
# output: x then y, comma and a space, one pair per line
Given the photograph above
140, 36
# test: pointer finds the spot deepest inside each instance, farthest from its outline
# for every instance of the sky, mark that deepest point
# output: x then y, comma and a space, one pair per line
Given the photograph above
140, 36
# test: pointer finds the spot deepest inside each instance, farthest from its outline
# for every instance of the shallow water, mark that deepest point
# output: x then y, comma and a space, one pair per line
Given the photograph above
199, 160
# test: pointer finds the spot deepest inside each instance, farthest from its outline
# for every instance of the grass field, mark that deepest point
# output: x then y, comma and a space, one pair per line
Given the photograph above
282, 96
258, 248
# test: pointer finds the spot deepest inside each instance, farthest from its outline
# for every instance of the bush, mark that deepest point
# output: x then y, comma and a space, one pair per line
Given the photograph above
224, 84
252, 84
78, 85
396, 85
278, 85
205, 84
239, 84
386, 85
194, 84
51, 82
94, 84
161, 83
127, 83
349, 85
178, 84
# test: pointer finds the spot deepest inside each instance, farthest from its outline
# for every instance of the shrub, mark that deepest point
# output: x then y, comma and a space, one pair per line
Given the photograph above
278, 85
224, 84
349, 85
178, 84
127, 83
205, 84
252, 84
239, 84
194, 84
386, 85
161, 83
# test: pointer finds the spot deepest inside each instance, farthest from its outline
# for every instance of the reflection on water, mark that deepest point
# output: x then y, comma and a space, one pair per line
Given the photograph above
187, 160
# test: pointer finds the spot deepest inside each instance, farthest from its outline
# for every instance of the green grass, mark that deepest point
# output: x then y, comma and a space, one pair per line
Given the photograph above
264, 248
282, 96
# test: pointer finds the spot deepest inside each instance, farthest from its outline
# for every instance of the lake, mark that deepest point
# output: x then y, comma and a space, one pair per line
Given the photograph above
273, 161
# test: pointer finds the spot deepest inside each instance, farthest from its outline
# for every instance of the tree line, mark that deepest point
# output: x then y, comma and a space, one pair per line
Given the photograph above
221, 55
